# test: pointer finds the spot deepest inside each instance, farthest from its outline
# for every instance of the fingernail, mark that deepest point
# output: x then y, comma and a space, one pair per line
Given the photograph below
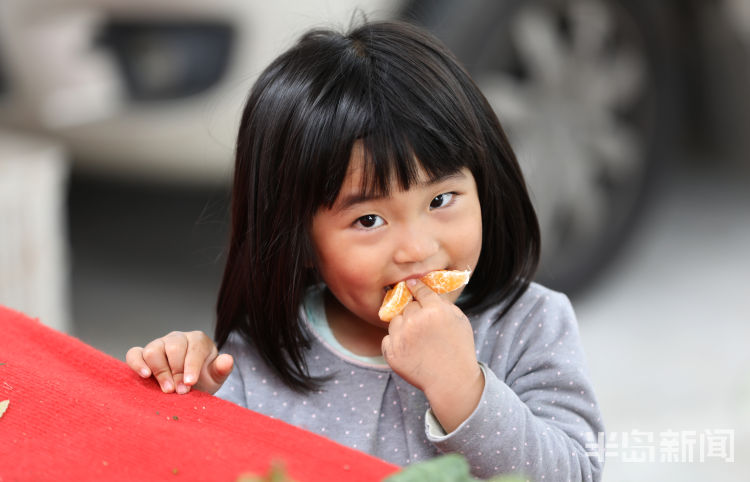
182, 389
411, 282
145, 372
166, 387
189, 378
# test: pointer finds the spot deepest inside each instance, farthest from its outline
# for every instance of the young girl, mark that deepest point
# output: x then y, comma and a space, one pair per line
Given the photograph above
365, 159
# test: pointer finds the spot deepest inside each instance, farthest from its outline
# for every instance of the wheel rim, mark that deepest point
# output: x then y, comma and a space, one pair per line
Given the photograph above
570, 83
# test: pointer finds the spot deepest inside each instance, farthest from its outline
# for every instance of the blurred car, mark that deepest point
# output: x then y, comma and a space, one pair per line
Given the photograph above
149, 89
594, 94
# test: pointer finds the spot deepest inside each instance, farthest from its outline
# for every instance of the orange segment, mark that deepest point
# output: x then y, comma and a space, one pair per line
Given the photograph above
443, 281
395, 301
440, 281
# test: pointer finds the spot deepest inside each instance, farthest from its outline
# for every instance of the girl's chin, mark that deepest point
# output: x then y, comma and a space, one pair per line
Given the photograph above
374, 320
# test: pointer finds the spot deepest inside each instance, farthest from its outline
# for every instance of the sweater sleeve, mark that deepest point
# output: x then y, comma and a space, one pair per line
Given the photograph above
538, 409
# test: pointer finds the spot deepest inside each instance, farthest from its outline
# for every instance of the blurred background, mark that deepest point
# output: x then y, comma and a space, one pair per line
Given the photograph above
629, 117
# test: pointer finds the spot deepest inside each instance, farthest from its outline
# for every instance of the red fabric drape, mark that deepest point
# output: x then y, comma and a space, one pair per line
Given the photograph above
75, 413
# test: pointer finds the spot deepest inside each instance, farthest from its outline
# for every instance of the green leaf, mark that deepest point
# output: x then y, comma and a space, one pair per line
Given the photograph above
445, 468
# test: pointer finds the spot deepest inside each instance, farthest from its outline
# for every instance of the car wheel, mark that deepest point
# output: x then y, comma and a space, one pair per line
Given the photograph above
586, 93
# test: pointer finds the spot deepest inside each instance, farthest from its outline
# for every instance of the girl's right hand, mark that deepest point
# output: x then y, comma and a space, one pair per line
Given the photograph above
180, 361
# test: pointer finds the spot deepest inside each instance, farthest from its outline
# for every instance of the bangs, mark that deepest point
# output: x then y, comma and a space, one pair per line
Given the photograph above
397, 160
408, 120
389, 161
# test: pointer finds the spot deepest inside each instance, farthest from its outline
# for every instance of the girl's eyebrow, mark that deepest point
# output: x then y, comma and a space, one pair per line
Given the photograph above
355, 198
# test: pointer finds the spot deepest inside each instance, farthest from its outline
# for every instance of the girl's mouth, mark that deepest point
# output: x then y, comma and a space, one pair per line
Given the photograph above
391, 286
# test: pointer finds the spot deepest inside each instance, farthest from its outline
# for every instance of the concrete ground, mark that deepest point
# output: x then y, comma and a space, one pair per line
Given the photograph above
666, 333
663, 328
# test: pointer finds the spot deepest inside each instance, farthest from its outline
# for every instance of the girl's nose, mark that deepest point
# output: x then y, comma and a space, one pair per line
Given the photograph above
415, 245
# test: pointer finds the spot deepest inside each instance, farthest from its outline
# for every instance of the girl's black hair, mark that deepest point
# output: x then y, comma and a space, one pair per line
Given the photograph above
400, 92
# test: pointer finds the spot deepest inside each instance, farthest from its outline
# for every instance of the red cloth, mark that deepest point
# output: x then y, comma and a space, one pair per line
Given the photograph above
76, 413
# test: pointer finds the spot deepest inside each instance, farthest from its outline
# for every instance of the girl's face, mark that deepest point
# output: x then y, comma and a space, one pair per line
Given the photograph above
365, 245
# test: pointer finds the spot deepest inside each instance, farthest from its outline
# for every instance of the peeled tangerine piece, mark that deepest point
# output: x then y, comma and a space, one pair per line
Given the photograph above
441, 281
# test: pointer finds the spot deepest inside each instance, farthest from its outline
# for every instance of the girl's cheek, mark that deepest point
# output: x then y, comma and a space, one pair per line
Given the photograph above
467, 235
358, 277
354, 267
474, 230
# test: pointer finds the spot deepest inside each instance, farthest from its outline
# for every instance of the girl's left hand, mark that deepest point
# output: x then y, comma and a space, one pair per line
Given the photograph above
431, 346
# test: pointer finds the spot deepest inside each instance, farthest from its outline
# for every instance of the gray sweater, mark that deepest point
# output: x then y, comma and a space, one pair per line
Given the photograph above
536, 415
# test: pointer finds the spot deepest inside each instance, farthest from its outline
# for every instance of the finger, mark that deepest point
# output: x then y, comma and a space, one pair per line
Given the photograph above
214, 373
395, 325
156, 359
199, 349
412, 307
220, 368
385, 346
176, 348
134, 359
421, 292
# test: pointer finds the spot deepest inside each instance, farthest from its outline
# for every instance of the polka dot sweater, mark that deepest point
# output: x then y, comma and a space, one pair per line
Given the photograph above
536, 414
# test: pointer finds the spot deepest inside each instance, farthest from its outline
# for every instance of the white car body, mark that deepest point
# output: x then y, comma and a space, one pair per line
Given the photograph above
62, 85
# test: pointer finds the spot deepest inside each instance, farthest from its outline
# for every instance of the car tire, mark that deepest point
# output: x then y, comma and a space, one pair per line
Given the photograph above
588, 92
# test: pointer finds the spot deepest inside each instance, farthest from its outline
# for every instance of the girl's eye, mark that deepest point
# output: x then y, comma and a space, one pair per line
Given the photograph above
369, 221
441, 200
